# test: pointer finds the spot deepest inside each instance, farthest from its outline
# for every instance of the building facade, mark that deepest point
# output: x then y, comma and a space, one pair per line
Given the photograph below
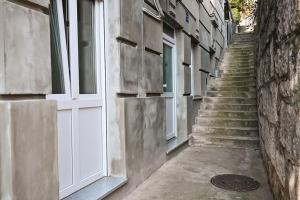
96, 94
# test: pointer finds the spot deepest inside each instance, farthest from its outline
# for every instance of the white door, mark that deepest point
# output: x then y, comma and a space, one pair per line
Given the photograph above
79, 87
169, 73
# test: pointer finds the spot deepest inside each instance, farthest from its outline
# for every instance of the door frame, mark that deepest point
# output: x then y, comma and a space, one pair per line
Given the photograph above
172, 43
66, 101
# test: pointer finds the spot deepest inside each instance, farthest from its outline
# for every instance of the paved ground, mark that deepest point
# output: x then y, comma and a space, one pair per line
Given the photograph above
187, 176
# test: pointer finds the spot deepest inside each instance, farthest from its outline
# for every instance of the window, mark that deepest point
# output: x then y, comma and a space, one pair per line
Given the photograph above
168, 68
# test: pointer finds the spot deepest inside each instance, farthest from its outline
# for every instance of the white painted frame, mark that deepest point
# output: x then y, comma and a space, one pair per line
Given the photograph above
193, 71
172, 43
72, 85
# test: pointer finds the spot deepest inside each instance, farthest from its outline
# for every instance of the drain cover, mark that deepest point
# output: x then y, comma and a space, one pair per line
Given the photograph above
235, 182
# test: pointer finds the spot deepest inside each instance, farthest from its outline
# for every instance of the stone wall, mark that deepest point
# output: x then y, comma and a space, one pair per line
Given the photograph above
278, 61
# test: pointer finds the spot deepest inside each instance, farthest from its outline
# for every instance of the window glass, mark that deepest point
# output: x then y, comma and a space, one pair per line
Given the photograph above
86, 47
167, 69
58, 86
168, 30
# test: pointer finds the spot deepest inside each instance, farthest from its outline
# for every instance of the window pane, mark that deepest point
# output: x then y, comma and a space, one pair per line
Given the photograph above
86, 47
56, 58
167, 69
168, 30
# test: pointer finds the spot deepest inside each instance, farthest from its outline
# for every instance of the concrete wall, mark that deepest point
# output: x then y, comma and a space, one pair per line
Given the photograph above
278, 62
136, 112
28, 135
136, 132
136, 116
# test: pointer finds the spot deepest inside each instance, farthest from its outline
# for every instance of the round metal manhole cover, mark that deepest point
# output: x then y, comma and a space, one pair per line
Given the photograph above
235, 182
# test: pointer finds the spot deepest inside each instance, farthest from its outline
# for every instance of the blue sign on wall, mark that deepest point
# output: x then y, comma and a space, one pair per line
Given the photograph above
187, 16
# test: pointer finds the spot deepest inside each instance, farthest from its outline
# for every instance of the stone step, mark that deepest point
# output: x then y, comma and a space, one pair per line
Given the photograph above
229, 99
231, 94
240, 52
225, 131
238, 78
219, 82
249, 74
227, 141
230, 114
239, 71
237, 67
241, 48
233, 88
232, 61
239, 74
236, 56
226, 122
229, 106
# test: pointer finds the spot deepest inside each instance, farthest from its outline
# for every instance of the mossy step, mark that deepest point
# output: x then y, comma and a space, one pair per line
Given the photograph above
239, 71
231, 132
229, 106
228, 114
227, 122
225, 131
218, 82
249, 74
239, 56
233, 88
238, 78
218, 141
236, 67
230, 62
239, 52
231, 94
232, 100
239, 75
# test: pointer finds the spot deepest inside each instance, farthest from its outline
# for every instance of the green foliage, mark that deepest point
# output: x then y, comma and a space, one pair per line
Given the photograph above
238, 6
236, 14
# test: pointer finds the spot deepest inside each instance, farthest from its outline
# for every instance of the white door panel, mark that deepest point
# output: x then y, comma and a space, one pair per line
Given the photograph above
170, 126
81, 110
65, 148
90, 143
169, 69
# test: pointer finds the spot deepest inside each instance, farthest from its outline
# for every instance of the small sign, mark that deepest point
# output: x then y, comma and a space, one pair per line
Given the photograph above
187, 16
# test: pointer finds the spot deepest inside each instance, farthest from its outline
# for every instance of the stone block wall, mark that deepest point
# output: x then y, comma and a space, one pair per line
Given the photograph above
278, 62
28, 124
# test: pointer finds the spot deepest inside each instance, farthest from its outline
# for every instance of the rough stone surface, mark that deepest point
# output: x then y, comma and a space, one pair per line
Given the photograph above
130, 59
228, 115
187, 176
144, 132
278, 61
24, 28
28, 156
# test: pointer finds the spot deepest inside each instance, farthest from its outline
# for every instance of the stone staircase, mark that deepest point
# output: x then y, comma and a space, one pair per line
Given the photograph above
228, 115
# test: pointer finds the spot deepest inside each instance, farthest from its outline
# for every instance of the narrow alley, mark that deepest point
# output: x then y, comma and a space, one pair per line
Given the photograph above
150, 100
227, 120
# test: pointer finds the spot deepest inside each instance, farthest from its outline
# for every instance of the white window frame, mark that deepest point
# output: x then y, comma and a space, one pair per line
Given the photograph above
71, 85
172, 43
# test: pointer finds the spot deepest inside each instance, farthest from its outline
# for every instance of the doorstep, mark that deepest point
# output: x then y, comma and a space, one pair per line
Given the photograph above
175, 143
99, 189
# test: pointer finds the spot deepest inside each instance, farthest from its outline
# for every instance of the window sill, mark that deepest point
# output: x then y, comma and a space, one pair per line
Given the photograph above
175, 143
99, 189
197, 98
